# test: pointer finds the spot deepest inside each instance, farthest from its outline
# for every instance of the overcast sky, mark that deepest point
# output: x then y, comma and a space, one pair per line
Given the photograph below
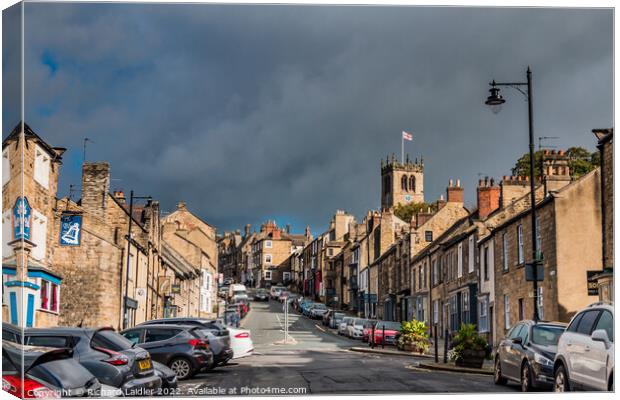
251, 113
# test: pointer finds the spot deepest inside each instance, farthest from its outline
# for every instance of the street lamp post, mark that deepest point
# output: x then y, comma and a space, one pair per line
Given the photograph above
495, 100
125, 313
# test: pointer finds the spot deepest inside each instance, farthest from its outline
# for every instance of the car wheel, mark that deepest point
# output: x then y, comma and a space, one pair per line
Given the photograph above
560, 383
526, 378
181, 367
498, 379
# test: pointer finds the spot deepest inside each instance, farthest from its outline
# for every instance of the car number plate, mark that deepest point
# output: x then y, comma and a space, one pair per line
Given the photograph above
144, 364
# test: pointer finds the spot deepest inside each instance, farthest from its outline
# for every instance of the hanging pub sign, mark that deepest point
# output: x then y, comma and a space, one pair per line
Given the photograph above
22, 218
70, 230
176, 289
592, 283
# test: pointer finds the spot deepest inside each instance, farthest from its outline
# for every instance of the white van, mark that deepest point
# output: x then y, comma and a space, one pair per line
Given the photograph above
237, 292
275, 291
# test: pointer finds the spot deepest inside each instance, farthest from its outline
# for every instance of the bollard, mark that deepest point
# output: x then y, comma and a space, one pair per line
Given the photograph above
372, 341
445, 347
383, 337
436, 344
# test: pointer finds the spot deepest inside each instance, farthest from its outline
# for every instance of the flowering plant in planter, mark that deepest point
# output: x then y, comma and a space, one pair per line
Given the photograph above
414, 336
469, 349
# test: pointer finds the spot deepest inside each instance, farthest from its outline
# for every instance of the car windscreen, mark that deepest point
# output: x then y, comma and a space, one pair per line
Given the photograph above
320, 306
338, 316
546, 335
65, 373
110, 340
360, 322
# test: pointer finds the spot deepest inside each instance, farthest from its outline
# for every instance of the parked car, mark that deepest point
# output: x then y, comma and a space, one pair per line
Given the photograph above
219, 340
131, 370
177, 346
342, 328
349, 327
47, 373
241, 342
526, 355
392, 329
219, 345
336, 319
261, 295
237, 292
355, 328
325, 318
306, 306
367, 330
317, 311
585, 356
274, 291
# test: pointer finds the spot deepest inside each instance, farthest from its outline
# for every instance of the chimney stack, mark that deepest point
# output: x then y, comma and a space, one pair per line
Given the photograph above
95, 187
455, 194
247, 230
488, 197
181, 205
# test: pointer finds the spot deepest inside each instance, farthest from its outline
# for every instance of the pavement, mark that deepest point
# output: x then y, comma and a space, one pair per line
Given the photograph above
318, 361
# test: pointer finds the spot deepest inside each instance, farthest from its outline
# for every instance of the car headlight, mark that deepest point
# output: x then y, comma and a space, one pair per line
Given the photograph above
542, 360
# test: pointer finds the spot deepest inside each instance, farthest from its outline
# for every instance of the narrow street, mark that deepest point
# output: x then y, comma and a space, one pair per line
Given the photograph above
320, 363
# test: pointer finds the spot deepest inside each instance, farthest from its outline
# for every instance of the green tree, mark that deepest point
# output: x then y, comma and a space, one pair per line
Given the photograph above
581, 161
406, 211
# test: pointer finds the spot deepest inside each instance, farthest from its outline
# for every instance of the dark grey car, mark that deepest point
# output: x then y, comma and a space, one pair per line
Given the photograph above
131, 370
45, 371
217, 333
526, 355
179, 347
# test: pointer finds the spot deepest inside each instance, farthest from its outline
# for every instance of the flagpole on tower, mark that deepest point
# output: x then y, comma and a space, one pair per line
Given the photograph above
402, 149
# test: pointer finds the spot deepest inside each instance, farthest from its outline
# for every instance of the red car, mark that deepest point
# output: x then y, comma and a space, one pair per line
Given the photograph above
391, 330
367, 331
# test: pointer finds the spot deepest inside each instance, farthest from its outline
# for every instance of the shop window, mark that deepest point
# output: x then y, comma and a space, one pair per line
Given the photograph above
50, 293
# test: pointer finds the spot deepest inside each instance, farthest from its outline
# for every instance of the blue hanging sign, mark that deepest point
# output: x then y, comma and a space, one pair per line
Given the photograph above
70, 230
22, 218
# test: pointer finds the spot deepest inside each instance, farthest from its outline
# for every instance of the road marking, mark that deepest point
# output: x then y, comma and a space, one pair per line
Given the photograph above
320, 327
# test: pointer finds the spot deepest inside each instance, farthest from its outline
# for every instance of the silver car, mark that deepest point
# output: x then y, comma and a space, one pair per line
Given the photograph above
342, 327
585, 357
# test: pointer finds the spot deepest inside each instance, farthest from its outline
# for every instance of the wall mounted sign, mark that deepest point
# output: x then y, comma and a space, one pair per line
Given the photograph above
592, 283
22, 218
176, 289
70, 230
407, 198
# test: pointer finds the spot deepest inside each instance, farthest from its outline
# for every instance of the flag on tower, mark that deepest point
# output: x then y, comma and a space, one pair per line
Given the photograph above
407, 136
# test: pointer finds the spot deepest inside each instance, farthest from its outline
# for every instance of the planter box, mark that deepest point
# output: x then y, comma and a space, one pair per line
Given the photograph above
471, 359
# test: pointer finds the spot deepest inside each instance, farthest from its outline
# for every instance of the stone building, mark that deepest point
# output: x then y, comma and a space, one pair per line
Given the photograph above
86, 268
605, 280
30, 169
569, 238
195, 241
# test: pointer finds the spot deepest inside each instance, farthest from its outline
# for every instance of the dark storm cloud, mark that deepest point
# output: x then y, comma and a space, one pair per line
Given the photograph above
255, 112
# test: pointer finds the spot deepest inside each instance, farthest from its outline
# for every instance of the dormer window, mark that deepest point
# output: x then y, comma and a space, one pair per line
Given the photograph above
41, 167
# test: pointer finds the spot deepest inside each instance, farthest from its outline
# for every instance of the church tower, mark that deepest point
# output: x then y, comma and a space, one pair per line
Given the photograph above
401, 183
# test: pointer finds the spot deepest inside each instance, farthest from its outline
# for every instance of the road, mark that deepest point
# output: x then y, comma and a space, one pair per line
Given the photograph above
319, 362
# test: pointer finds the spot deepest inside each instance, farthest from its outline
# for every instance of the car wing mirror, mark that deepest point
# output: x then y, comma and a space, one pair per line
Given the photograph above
518, 340
600, 335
